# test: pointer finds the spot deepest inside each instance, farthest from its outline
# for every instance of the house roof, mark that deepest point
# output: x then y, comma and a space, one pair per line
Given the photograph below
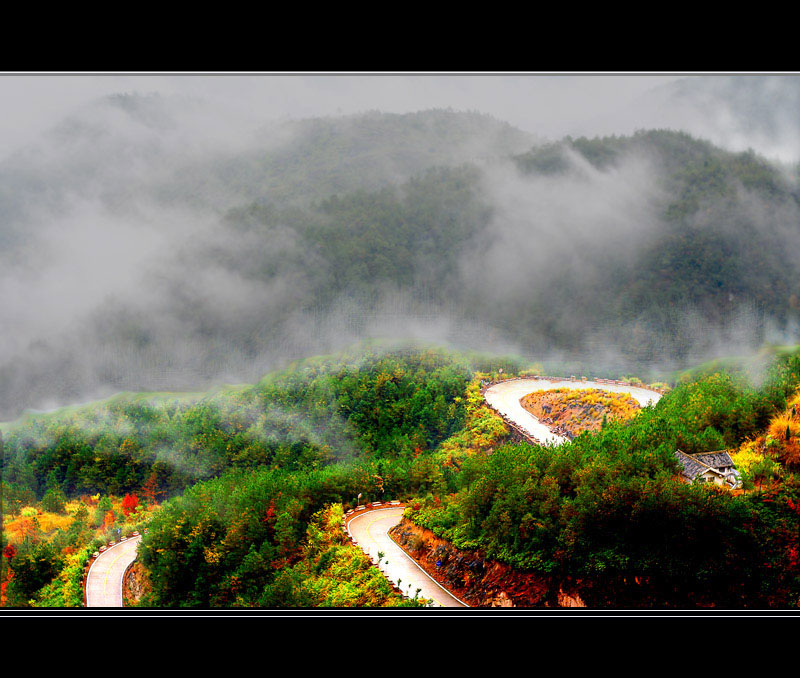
692, 467
717, 460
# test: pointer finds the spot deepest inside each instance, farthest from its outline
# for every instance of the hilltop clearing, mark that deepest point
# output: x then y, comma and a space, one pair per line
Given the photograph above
576, 410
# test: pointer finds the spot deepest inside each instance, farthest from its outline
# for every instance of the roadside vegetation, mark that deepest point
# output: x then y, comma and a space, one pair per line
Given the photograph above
47, 544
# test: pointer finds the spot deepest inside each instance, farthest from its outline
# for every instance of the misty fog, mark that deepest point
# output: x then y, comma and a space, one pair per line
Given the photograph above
122, 267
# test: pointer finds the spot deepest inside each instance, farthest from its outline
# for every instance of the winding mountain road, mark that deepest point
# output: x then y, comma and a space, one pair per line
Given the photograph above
370, 531
370, 528
104, 581
505, 397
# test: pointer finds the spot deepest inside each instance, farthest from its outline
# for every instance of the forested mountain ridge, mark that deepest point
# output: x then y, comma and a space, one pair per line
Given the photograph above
133, 192
664, 266
720, 246
328, 156
224, 261
181, 151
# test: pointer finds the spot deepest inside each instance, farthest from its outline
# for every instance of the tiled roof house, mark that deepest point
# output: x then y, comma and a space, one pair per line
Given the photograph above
709, 467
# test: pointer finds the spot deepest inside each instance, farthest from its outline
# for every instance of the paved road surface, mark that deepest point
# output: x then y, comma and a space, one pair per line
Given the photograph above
104, 582
505, 397
369, 530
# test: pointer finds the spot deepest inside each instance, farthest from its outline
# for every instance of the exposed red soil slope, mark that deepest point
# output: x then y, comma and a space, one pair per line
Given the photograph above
474, 579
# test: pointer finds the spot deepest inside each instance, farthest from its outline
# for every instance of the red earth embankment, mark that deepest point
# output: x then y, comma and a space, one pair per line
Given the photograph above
478, 581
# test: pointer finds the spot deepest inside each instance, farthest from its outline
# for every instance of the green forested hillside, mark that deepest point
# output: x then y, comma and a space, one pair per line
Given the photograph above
249, 472
321, 432
607, 515
321, 157
727, 224
323, 410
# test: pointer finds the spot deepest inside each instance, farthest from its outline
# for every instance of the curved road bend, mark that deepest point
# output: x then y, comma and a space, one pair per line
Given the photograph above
104, 581
370, 531
505, 398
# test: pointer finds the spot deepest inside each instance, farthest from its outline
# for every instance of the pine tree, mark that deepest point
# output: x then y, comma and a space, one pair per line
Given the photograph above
150, 489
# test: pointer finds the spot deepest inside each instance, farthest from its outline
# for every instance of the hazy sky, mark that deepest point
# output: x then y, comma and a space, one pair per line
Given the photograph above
548, 105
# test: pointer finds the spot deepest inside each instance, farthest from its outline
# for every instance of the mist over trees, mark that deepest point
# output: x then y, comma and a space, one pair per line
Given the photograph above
145, 248
756, 112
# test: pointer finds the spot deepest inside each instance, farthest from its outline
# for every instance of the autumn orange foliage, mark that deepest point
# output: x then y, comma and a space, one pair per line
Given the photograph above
20, 528
780, 443
150, 490
109, 519
4, 587
785, 431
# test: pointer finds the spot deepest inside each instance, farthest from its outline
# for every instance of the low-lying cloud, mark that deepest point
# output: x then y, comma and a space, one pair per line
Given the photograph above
117, 273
